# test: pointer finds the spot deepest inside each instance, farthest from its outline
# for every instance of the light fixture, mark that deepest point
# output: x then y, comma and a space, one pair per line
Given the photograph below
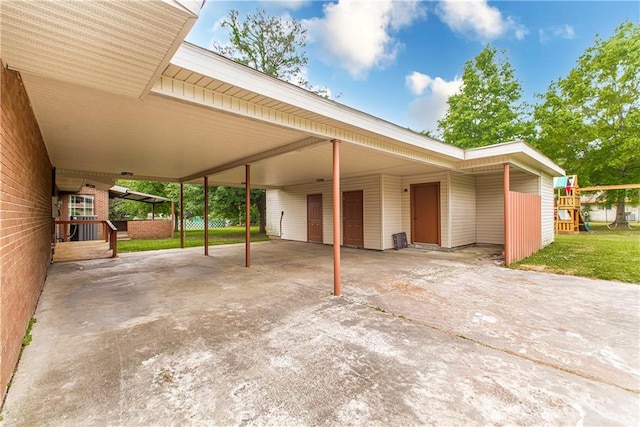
125, 173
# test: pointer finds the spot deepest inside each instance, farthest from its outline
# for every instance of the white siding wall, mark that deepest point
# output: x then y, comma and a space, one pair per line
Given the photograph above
293, 201
471, 207
546, 190
463, 210
490, 208
523, 182
391, 208
442, 178
294, 221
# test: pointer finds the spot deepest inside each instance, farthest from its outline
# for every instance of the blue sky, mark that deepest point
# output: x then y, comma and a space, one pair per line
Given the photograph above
400, 60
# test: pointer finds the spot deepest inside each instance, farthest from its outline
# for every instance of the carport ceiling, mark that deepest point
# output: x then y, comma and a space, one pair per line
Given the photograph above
90, 130
159, 138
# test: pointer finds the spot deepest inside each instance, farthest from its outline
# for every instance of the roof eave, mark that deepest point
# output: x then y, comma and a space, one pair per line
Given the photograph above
210, 64
516, 148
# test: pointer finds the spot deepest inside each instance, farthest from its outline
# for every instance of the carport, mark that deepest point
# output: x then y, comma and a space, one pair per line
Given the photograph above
152, 107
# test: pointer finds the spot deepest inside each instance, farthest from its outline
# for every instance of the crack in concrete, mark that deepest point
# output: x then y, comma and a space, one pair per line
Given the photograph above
489, 346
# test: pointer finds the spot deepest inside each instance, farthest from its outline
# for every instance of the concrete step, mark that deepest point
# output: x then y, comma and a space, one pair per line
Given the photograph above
123, 235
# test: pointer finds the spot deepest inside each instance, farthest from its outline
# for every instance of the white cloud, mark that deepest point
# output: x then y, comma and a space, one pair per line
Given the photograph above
418, 82
431, 105
476, 19
358, 35
565, 31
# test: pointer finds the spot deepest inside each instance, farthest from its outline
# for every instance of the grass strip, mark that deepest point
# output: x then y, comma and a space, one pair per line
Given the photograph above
192, 238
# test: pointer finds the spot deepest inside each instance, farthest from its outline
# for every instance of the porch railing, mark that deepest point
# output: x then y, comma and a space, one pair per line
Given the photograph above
109, 231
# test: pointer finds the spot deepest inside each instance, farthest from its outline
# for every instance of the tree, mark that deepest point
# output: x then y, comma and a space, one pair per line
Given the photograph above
488, 109
229, 202
272, 45
589, 121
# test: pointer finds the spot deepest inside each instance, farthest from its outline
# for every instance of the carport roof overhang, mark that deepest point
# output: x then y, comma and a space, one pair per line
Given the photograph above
200, 114
124, 193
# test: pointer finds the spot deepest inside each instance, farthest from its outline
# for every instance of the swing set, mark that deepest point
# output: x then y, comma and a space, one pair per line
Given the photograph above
567, 214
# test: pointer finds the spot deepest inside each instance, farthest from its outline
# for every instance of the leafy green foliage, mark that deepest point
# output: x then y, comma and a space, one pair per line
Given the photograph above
224, 202
229, 202
272, 45
589, 121
487, 110
194, 199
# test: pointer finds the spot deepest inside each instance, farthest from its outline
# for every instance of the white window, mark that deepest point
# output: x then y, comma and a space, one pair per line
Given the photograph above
81, 205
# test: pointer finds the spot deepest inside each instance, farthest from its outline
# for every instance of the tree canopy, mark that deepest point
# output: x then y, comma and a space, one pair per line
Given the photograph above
488, 109
589, 121
273, 45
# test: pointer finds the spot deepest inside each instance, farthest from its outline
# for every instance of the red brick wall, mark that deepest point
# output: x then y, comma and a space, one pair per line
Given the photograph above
149, 229
25, 218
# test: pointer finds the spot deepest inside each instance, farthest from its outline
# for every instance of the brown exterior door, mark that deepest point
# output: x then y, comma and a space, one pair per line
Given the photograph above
352, 219
314, 218
425, 213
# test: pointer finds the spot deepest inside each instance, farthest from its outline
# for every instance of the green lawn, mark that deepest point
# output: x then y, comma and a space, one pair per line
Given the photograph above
192, 238
602, 253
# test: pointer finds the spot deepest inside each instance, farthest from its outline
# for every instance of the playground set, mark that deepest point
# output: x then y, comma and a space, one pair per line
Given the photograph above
567, 213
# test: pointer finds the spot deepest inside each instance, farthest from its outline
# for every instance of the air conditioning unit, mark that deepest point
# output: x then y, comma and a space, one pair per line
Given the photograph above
84, 232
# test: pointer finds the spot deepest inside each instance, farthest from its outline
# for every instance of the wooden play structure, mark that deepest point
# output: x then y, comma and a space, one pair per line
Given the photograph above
568, 218
567, 204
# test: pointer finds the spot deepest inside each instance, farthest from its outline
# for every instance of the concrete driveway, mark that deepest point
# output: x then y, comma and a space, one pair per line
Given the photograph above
176, 338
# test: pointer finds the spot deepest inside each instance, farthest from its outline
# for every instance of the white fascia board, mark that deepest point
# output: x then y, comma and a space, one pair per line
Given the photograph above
515, 148
209, 64
193, 6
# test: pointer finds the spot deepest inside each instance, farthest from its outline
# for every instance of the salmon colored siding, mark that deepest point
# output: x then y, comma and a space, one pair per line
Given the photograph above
524, 228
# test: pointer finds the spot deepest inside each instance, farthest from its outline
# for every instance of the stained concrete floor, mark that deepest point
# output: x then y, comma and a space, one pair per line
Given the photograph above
176, 338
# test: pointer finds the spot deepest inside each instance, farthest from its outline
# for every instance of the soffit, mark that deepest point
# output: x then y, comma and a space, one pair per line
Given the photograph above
89, 130
116, 46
